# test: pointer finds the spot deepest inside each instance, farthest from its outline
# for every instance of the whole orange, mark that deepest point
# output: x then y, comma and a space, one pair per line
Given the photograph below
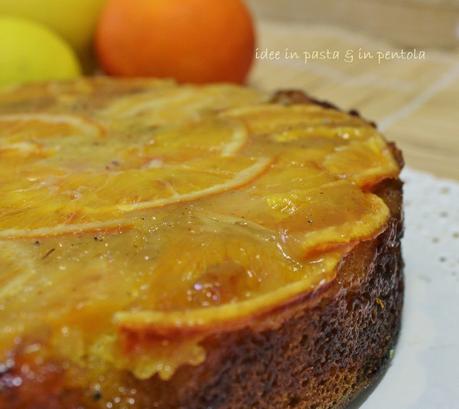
195, 41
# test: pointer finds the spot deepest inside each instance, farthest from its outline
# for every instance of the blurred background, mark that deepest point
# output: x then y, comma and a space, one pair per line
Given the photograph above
415, 23
396, 61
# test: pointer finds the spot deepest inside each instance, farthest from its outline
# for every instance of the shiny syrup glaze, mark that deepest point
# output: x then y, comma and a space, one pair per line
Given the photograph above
138, 217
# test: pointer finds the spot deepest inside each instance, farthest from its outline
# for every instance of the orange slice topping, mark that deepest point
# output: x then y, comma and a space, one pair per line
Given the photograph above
34, 126
137, 218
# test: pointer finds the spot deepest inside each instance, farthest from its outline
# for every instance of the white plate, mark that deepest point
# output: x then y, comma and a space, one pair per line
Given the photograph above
424, 373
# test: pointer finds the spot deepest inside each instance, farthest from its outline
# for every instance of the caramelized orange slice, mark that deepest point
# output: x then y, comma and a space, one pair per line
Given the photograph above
271, 118
172, 105
345, 146
195, 139
34, 126
365, 162
77, 202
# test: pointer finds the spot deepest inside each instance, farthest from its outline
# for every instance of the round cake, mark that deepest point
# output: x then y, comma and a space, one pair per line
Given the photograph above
193, 247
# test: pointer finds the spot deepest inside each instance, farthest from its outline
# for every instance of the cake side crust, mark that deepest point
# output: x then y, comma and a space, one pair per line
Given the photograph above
332, 347
320, 357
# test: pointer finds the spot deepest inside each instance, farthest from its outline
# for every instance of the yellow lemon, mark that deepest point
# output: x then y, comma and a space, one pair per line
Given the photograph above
74, 20
31, 52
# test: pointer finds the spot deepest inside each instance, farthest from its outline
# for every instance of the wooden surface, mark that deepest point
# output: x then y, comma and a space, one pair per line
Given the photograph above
416, 23
415, 102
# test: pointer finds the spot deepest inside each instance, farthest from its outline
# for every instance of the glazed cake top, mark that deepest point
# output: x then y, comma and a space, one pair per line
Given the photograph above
137, 217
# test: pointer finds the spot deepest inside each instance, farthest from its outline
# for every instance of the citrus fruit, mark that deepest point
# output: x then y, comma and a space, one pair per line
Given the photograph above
170, 165
74, 20
195, 41
31, 52
358, 144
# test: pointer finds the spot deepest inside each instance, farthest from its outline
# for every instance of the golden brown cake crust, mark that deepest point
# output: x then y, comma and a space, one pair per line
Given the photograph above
325, 348
322, 356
